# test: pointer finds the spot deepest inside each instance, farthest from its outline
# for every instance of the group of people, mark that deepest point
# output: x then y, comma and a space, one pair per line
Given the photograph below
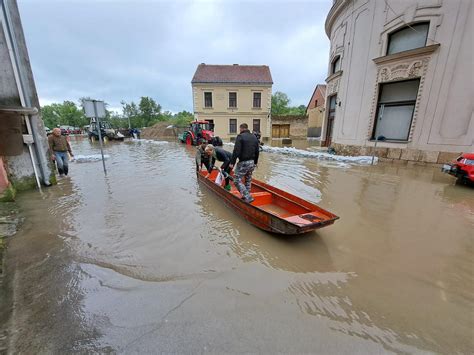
246, 151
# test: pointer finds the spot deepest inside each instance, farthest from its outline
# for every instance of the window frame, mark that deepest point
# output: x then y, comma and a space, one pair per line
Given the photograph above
395, 103
403, 28
205, 99
259, 100
336, 59
233, 125
230, 102
257, 120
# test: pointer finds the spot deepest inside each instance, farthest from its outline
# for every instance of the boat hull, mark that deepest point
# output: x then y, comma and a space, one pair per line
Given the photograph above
266, 220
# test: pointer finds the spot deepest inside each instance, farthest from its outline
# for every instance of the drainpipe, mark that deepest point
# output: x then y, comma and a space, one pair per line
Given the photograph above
35, 149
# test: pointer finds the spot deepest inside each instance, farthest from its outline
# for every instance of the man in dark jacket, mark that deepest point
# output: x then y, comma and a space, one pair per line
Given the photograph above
220, 154
246, 149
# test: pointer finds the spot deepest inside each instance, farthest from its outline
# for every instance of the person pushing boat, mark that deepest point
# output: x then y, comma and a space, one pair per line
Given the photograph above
201, 157
246, 149
220, 154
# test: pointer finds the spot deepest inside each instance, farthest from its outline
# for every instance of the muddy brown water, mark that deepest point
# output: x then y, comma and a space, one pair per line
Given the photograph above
147, 260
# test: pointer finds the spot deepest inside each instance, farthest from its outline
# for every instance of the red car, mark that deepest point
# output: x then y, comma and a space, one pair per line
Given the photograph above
463, 168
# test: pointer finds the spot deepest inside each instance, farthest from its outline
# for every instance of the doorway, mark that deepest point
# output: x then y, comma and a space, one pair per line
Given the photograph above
331, 118
281, 131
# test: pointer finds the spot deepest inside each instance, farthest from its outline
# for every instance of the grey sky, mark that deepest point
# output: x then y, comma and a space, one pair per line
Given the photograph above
121, 50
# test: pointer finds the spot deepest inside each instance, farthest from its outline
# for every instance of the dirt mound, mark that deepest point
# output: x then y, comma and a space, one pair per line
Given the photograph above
159, 130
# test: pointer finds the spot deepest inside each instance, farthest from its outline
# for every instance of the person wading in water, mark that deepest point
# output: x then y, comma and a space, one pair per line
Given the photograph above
60, 147
246, 149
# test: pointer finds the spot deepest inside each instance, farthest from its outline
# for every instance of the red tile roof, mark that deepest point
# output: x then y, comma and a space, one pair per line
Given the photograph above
233, 74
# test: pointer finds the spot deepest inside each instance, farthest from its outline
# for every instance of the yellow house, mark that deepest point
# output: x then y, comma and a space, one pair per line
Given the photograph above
229, 95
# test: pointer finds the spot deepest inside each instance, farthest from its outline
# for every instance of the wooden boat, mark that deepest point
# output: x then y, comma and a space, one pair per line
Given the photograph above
272, 210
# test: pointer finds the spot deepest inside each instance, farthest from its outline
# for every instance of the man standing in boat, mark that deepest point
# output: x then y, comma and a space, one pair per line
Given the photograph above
246, 149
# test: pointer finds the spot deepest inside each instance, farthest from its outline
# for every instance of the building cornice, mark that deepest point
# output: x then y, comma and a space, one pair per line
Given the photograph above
333, 76
336, 9
406, 54
231, 83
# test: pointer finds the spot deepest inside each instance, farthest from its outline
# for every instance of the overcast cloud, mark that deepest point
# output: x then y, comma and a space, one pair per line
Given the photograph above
121, 50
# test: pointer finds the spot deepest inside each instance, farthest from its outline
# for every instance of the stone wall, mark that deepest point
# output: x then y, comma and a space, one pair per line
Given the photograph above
298, 124
414, 155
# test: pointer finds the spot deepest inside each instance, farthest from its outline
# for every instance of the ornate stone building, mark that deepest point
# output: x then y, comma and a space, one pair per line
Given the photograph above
402, 71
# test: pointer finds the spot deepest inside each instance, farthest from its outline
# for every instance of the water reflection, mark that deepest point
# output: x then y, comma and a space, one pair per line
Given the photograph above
395, 270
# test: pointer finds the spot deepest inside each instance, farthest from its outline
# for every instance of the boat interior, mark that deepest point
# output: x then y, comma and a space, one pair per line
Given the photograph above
271, 201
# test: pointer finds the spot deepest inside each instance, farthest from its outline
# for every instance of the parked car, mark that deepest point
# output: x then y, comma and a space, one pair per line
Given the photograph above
462, 168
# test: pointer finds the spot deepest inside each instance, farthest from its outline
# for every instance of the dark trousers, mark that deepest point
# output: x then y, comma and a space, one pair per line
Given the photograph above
226, 168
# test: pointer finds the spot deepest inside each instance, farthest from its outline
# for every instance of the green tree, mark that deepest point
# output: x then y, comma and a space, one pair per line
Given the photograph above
280, 103
298, 110
166, 116
183, 118
150, 111
116, 120
65, 114
131, 114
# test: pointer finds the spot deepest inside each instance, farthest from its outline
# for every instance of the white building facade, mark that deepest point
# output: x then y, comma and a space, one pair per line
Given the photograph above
401, 71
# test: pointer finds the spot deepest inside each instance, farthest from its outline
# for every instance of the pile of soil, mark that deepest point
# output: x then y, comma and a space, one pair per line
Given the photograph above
159, 130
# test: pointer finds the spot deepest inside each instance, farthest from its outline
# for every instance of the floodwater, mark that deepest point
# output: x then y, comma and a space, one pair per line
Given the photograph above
147, 260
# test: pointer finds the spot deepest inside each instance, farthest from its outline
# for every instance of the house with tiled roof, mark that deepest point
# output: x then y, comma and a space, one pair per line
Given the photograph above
229, 95
315, 110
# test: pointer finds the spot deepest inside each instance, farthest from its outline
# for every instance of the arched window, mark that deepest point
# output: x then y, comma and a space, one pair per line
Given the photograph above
408, 37
336, 64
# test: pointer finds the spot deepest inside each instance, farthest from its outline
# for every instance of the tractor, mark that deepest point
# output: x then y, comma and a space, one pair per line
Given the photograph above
107, 132
199, 130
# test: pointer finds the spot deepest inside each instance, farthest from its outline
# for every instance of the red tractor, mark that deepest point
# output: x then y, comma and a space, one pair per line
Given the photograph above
199, 130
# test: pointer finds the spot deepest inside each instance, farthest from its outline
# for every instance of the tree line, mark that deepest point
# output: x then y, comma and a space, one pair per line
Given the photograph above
281, 106
145, 113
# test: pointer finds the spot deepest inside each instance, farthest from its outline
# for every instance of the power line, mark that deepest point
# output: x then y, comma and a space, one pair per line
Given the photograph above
397, 15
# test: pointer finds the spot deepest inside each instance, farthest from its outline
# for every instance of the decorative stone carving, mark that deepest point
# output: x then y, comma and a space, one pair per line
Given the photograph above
384, 74
333, 87
401, 70
415, 69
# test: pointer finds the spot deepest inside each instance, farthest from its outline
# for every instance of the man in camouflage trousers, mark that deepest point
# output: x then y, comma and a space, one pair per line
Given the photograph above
246, 149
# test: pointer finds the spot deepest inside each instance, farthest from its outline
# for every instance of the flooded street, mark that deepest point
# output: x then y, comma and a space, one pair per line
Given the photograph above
147, 260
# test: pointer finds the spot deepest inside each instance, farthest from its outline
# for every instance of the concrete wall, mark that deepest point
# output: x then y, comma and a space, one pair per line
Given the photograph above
20, 167
443, 120
298, 125
244, 112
